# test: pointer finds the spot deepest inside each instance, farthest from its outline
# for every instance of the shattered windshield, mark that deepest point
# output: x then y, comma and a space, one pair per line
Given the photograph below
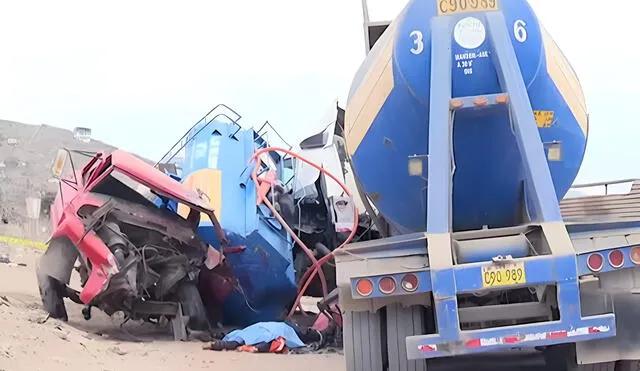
120, 185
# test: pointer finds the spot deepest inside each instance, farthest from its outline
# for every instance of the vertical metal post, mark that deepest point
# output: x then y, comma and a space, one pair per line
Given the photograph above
440, 144
365, 23
439, 182
539, 181
365, 12
541, 191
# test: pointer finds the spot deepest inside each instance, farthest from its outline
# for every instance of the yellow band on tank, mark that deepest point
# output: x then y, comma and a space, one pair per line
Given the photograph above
366, 102
209, 183
566, 81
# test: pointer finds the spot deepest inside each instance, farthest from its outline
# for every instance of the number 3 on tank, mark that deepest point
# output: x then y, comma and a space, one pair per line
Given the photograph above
418, 42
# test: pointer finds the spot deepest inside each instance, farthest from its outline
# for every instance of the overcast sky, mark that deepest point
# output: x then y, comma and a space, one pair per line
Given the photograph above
140, 73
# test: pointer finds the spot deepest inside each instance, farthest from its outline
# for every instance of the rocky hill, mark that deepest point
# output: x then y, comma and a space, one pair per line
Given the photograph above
26, 155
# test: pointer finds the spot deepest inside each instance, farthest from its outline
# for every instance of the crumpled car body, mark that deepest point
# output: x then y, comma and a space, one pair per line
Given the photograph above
134, 255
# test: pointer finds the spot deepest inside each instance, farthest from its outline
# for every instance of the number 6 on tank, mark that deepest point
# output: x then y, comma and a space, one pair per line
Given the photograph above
418, 42
519, 30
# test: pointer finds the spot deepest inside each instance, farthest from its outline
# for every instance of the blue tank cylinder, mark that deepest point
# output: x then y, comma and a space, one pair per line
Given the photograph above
387, 116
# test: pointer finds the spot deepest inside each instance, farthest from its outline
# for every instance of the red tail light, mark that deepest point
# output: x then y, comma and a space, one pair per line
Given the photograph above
635, 255
364, 287
616, 258
595, 262
387, 285
409, 282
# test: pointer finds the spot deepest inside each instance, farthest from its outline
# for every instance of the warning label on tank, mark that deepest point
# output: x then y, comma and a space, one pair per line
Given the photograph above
465, 61
544, 119
472, 55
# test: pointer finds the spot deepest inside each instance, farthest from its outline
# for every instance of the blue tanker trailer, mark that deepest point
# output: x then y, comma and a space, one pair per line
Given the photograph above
465, 127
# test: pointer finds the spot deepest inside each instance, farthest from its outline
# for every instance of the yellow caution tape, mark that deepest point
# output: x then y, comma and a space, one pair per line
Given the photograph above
22, 242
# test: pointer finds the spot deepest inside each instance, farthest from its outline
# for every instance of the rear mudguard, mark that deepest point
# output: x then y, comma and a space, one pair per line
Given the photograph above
53, 271
58, 260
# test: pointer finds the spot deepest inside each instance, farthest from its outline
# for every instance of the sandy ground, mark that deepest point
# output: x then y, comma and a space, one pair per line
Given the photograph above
29, 343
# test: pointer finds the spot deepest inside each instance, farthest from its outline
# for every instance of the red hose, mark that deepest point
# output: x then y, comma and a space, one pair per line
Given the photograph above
315, 268
254, 176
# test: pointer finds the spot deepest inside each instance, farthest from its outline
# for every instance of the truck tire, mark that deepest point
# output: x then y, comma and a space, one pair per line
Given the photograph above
192, 306
403, 322
563, 358
608, 366
362, 334
628, 366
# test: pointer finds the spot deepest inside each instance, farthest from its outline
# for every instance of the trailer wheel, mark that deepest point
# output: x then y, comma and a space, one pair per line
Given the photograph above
362, 338
607, 366
628, 366
403, 322
563, 358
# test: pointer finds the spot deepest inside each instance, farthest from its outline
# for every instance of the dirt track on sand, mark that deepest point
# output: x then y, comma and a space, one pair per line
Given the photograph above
27, 344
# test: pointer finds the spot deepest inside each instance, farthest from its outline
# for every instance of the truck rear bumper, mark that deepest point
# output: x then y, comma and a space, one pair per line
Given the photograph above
375, 262
523, 336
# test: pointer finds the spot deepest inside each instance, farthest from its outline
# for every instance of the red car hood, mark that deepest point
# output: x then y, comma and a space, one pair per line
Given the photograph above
156, 180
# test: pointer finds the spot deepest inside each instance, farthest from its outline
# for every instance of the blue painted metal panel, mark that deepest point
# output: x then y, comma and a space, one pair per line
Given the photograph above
264, 269
440, 140
539, 270
395, 246
439, 190
488, 181
544, 202
595, 228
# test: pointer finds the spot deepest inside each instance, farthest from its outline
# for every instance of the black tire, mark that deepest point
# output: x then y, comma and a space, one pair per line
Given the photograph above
401, 323
628, 366
607, 366
362, 334
52, 295
563, 358
192, 306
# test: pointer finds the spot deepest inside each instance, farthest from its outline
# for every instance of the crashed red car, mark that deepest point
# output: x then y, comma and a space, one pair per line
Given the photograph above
135, 255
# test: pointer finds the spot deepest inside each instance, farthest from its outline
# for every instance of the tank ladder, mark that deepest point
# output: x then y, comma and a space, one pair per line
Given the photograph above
216, 112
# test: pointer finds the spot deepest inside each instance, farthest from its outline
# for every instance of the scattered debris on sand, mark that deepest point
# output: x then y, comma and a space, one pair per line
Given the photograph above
32, 341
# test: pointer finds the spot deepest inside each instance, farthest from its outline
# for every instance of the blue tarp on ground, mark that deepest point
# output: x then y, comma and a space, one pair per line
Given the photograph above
265, 332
